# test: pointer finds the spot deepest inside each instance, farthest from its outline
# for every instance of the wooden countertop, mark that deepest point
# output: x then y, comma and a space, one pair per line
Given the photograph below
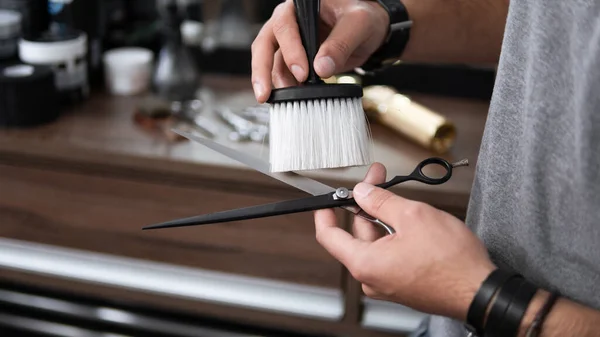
101, 133
93, 178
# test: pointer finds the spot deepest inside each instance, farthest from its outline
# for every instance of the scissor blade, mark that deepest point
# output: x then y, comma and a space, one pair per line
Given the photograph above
291, 178
312, 203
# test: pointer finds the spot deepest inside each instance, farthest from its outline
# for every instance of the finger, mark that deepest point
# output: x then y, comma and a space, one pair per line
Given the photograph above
281, 75
362, 228
371, 293
385, 205
347, 35
287, 33
263, 51
339, 243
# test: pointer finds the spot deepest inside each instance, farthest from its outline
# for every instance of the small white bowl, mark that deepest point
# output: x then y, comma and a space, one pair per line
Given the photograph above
128, 70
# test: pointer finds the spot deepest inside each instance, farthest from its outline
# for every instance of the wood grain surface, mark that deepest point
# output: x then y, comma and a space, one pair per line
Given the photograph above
106, 214
102, 132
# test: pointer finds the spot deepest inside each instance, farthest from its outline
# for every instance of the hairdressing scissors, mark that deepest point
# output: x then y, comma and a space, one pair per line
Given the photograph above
323, 196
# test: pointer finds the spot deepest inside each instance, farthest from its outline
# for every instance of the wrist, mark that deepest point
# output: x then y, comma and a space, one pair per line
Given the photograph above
508, 305
485, 294
474, 282
535, 305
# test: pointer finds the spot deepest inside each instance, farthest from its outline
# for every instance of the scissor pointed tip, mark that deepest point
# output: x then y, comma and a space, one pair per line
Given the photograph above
170, 224
157, 226
151, 227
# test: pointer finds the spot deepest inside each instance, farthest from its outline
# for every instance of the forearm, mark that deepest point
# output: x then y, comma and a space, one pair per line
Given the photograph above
457, 31
566, 319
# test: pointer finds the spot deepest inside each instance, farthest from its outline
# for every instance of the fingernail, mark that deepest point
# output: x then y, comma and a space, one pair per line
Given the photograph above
298, 72
362, 190
258, 89
325, 66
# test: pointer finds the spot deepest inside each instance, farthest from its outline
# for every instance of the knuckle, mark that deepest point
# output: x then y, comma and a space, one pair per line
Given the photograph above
369, 291
280, 27
276, 79
262, 39
373, 293
388, 293
319, 237
276, 75
338, 46
279, 9
365, 16
380, 200
256, 45
414, 209
357, 272
360, 269
361, 13
280, 20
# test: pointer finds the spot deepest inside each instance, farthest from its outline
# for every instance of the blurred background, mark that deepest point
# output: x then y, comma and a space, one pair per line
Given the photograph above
89, 93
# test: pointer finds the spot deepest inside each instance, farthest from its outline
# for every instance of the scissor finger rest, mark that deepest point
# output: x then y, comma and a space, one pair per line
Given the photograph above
387, 228
418, 175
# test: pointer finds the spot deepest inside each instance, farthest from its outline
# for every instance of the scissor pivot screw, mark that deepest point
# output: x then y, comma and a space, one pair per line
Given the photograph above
342, 193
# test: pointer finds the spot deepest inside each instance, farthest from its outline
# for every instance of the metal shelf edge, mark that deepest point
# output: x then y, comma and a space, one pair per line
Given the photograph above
172, 280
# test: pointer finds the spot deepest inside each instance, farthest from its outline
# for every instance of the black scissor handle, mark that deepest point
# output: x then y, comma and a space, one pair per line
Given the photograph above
418, 174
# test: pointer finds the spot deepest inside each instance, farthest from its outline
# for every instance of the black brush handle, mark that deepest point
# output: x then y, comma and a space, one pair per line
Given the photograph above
308, 15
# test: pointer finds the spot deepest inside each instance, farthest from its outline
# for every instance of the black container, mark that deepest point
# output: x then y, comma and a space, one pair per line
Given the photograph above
28, 96
35, 16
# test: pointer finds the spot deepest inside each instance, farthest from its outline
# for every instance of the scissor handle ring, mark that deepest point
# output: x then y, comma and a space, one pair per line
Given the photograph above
434, 181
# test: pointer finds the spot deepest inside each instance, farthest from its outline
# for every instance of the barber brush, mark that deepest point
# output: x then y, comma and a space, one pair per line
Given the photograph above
316, 125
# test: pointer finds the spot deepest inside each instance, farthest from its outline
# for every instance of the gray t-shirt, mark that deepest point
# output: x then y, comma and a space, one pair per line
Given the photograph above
536, 197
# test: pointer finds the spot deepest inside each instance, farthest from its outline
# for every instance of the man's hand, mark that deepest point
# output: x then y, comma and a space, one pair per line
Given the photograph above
454, 31
433, 263
353, 29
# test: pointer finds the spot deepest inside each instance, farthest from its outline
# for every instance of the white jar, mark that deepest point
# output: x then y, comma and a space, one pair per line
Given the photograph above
128, 70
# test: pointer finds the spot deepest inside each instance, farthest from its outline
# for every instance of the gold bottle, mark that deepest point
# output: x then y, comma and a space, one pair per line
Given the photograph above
385, 106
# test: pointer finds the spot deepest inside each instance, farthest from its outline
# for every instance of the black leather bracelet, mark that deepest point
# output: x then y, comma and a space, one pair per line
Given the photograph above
482, 299
509, 326
500, 306
397, 37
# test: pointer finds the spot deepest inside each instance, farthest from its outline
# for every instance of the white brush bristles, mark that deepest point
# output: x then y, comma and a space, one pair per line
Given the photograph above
318, 134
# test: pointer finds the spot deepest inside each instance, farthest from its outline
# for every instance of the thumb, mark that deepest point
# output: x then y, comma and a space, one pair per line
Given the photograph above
379, 202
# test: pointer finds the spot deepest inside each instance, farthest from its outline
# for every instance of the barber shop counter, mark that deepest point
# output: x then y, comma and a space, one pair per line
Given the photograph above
75, 194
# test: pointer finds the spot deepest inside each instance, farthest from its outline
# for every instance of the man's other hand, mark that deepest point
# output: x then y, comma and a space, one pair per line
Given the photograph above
433, 263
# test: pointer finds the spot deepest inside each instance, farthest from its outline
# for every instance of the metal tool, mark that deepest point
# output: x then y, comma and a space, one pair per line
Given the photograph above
324, 196
257, 114
243, 128
192, 112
